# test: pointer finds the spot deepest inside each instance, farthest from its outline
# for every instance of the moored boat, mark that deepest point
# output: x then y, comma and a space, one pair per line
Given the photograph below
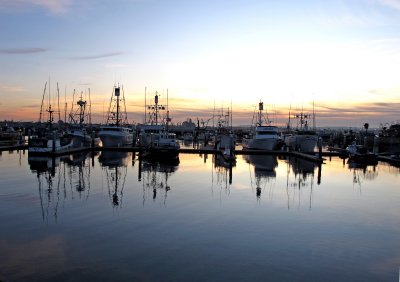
115, 133
154, 138
78, 129
264, 136
360, 154
302, 138
50, 139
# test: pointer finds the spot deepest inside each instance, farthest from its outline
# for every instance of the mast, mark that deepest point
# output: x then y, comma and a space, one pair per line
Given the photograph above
90, 109
49, 103
167, 121
314, 125
58, 103
41, 105
116, 93
145, 105
71, 114
125, 113
65, 105
289, 121
231, 117
82, 107
214, 116
260, 109
49, 110
156, 106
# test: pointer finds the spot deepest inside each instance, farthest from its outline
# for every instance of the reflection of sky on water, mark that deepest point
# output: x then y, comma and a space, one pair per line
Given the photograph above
206, 228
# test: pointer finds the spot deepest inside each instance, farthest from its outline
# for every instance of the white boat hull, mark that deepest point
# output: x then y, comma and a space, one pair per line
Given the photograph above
225, 142
49, 148
260, 144
115, 139
303, 143
80, 139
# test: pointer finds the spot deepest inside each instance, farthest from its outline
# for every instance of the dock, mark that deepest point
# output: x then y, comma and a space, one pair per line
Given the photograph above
390, 160
316, 157
206, 150
13, 147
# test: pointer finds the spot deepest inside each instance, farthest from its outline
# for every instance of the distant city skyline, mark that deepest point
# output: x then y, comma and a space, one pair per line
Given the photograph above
341, 56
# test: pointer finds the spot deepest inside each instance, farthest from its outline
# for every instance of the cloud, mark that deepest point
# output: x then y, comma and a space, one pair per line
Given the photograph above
395, 4
379, 107
19, 51
11, 88
54, 6
98, 56
116, 66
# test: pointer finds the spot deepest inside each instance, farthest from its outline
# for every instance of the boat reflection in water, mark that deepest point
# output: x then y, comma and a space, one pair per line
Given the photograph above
223, 171
78, 172
362, 172
154, 174
264, 170
45, 169
115, 168
301, 179
43, 165
58, 180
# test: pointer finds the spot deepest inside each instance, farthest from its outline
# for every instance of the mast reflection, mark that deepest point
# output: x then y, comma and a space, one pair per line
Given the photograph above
59, 179
264, 171
45, 169
78, 171
114, 165
155, 173
223, 172
361, 172
300, 177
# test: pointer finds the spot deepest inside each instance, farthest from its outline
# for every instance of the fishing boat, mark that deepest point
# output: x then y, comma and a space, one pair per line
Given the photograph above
388, 139
10, 136
264, 136
302, 138
188, 136
78, 130
49, 138
360, 154
115, 133
154, 137
223, 137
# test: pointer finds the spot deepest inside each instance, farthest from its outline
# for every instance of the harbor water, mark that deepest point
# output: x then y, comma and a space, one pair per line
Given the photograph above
116, 217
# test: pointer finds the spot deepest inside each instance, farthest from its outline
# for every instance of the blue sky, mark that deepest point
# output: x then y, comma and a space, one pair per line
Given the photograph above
344, 55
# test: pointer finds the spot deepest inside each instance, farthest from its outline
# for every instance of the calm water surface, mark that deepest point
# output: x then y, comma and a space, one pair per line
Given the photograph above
112, 217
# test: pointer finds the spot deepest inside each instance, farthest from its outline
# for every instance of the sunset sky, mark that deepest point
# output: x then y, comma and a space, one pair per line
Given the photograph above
342, 55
